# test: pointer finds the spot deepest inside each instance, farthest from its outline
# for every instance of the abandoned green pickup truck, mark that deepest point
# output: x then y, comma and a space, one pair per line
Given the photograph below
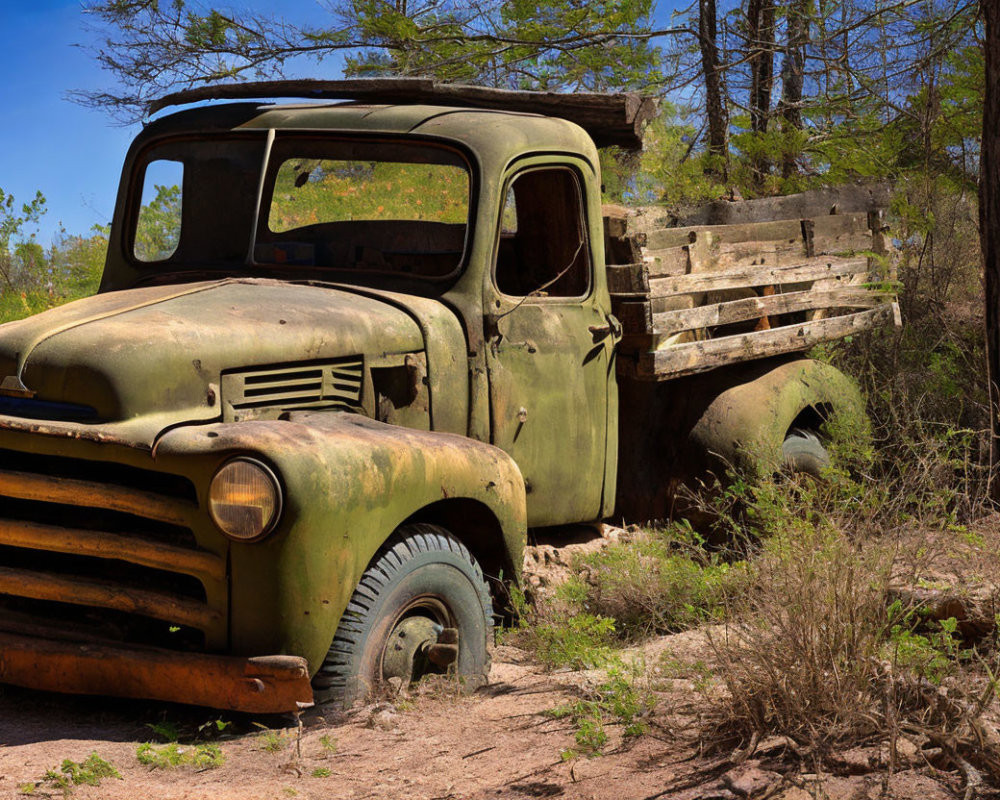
343, 357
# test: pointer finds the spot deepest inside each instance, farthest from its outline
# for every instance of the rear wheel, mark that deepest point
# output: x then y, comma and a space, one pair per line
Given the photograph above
803, 451
422, 607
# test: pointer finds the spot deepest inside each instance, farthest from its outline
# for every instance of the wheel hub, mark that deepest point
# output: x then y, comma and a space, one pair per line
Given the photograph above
415, 646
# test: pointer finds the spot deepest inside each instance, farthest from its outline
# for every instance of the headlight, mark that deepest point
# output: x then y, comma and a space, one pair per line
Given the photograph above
244, 499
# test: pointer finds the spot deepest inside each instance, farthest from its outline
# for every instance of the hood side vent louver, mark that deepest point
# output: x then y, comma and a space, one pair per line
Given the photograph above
265, 393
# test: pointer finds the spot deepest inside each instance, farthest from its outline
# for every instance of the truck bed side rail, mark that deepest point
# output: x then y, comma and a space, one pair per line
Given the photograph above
696, 298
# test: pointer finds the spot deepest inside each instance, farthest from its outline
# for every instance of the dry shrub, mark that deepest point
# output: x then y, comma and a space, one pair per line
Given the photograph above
803, 654
822, 650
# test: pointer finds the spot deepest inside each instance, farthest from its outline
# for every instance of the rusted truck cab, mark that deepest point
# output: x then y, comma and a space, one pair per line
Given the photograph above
199, 464
343, 356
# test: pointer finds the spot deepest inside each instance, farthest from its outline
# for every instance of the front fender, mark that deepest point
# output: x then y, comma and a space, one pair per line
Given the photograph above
348, 482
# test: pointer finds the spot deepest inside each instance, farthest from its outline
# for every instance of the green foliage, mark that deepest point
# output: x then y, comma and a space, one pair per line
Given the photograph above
321, 772
70, 269
616, 701
928, 651
158, 227
166, 730
671, 170
271, 741
27, 253
618, 58
657, 581
169, 756
89, 772
580, 641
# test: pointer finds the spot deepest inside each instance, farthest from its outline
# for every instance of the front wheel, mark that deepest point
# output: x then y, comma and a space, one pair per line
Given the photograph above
421, 607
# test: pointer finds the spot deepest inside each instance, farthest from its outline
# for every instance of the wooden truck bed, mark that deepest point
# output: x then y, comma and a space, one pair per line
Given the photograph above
696, 298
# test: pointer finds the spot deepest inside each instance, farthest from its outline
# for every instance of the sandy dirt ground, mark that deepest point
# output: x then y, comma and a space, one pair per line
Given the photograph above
436, 744
497, 743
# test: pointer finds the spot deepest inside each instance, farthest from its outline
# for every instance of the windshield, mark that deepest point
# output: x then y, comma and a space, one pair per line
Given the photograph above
382, 206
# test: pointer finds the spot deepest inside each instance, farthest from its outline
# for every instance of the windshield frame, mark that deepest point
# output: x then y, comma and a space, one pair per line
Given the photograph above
264, 180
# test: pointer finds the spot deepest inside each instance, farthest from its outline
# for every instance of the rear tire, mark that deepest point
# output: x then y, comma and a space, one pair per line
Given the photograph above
421, 588
804, 452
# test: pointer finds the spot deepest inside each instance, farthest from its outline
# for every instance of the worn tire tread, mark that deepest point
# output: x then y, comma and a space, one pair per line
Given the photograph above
407, 543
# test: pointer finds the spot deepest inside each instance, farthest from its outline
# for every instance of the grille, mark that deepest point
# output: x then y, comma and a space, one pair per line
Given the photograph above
107, 551
253, 394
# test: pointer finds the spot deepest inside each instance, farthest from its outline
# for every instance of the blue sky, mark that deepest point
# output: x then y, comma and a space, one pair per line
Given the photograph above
70, 153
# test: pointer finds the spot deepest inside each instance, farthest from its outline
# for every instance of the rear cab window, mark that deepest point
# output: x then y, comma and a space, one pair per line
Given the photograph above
368, 206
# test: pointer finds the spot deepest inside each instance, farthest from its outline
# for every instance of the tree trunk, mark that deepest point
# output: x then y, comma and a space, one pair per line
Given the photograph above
989, 224
718, 121
792, 82
760, 26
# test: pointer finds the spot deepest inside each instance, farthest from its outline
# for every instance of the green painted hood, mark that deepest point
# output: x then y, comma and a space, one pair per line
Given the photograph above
162, 349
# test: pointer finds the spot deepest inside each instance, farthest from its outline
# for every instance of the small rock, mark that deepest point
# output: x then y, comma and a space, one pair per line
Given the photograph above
715, 794
794, 793
907, 752
383, 719
859, 761
749, 780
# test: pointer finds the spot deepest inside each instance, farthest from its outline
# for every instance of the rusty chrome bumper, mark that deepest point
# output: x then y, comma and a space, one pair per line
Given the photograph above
261, 684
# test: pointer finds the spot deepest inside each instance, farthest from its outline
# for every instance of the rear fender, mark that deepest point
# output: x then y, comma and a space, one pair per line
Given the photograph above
348, 483
745, 425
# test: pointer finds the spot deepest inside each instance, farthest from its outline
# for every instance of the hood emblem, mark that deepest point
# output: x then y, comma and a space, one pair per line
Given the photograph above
11, 386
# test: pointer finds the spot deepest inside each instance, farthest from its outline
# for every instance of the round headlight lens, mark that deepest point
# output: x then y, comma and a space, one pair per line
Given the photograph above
244, 499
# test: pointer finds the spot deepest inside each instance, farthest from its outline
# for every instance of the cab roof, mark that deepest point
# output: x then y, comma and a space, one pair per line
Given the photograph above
610, 119
491, 135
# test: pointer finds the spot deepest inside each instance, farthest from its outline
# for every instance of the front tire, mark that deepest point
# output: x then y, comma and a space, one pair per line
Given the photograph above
422, 590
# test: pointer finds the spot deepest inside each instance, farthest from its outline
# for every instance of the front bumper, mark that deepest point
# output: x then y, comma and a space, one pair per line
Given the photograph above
260, 685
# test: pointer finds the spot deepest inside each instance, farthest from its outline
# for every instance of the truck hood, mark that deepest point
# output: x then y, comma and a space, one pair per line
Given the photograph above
163, 349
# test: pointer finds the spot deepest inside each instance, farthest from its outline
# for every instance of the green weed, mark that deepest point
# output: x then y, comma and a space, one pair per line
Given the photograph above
89, 772
579, 642
272, 741
321, 772
169, 756
616, 701
931, 655
166, 730
657, 581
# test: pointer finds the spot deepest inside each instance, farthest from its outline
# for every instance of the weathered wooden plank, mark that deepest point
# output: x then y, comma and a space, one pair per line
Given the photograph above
749, 254
840, 233
636, 316
787, 230
668, 261
610, 119
628, 279
819, 269
756, 307
843, 243
837, 224
687, 359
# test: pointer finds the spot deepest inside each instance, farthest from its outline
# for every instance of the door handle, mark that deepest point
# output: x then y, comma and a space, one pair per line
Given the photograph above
611, 328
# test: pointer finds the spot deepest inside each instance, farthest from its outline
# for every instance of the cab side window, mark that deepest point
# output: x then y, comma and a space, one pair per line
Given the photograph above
543, 241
